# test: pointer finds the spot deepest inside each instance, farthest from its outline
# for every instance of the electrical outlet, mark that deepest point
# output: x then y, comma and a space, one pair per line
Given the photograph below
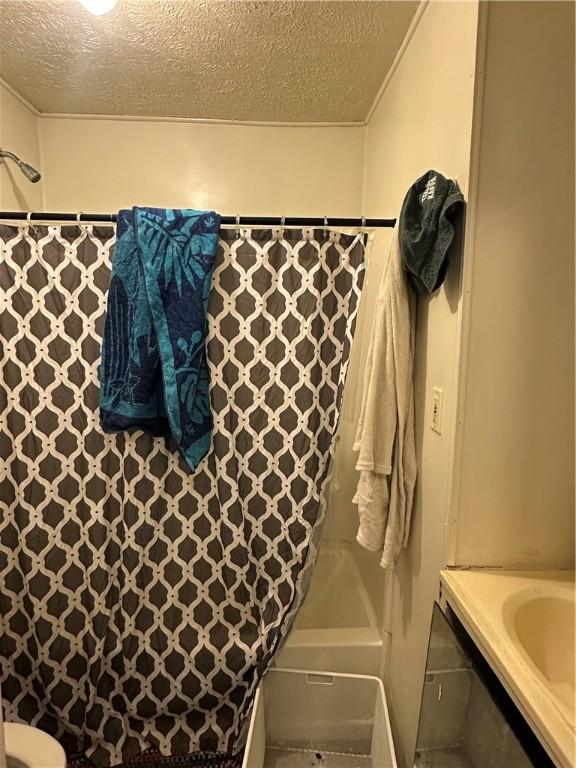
436, 418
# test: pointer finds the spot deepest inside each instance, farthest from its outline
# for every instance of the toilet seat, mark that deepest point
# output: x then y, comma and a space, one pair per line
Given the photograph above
32, 748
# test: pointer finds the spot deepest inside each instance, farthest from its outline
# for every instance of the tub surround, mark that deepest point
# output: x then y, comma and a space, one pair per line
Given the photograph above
523, 623
335, 635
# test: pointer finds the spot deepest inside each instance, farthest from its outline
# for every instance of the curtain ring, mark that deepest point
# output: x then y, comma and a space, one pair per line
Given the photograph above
282, 225
29, 216
78, 217
237, 226
363, 224
325, 225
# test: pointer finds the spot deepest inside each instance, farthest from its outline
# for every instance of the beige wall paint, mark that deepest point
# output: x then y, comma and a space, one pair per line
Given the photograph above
516, 502
103, 165
18, 134
423, 121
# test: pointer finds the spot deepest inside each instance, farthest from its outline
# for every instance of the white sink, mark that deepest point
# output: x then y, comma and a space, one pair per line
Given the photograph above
543, 626
523, 622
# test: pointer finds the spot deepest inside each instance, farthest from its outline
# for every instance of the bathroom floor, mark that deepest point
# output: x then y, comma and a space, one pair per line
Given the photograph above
304, 758
443, 758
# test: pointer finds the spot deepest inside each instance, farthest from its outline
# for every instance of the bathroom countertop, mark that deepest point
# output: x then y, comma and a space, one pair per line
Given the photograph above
523, 622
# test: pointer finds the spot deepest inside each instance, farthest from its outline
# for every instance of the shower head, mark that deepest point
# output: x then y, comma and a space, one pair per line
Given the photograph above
29, 171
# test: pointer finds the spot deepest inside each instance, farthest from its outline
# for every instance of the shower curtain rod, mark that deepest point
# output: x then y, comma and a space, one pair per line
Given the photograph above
272, 221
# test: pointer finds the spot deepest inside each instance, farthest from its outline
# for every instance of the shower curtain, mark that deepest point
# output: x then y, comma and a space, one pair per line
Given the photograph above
141, 603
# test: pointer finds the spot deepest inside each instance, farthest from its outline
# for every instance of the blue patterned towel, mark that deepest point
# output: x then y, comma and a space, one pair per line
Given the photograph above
154, 374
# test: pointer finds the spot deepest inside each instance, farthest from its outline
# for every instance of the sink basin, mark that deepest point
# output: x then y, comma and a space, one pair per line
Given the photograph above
523, 622
544, 629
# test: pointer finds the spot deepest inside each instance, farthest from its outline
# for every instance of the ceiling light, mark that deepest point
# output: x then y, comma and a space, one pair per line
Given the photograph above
98, 7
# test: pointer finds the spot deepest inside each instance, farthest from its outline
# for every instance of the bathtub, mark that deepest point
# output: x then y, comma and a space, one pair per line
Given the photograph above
336, 628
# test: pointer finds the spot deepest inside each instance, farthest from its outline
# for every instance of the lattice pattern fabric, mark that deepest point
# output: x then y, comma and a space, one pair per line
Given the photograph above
151, 758
141, 603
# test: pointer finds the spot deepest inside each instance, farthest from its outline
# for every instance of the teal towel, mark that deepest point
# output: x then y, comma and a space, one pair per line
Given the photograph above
154, 373
428, 219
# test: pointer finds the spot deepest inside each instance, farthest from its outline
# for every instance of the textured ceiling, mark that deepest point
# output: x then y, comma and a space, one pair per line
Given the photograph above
230, 59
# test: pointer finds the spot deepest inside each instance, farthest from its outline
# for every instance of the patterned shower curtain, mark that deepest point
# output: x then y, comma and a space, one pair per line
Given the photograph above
140, 603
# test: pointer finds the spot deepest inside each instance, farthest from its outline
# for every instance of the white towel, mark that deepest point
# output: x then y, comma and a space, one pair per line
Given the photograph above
385, 434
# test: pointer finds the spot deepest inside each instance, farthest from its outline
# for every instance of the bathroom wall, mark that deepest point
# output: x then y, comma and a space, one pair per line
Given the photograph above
103, 165
423, 121
18, 134
515, 505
